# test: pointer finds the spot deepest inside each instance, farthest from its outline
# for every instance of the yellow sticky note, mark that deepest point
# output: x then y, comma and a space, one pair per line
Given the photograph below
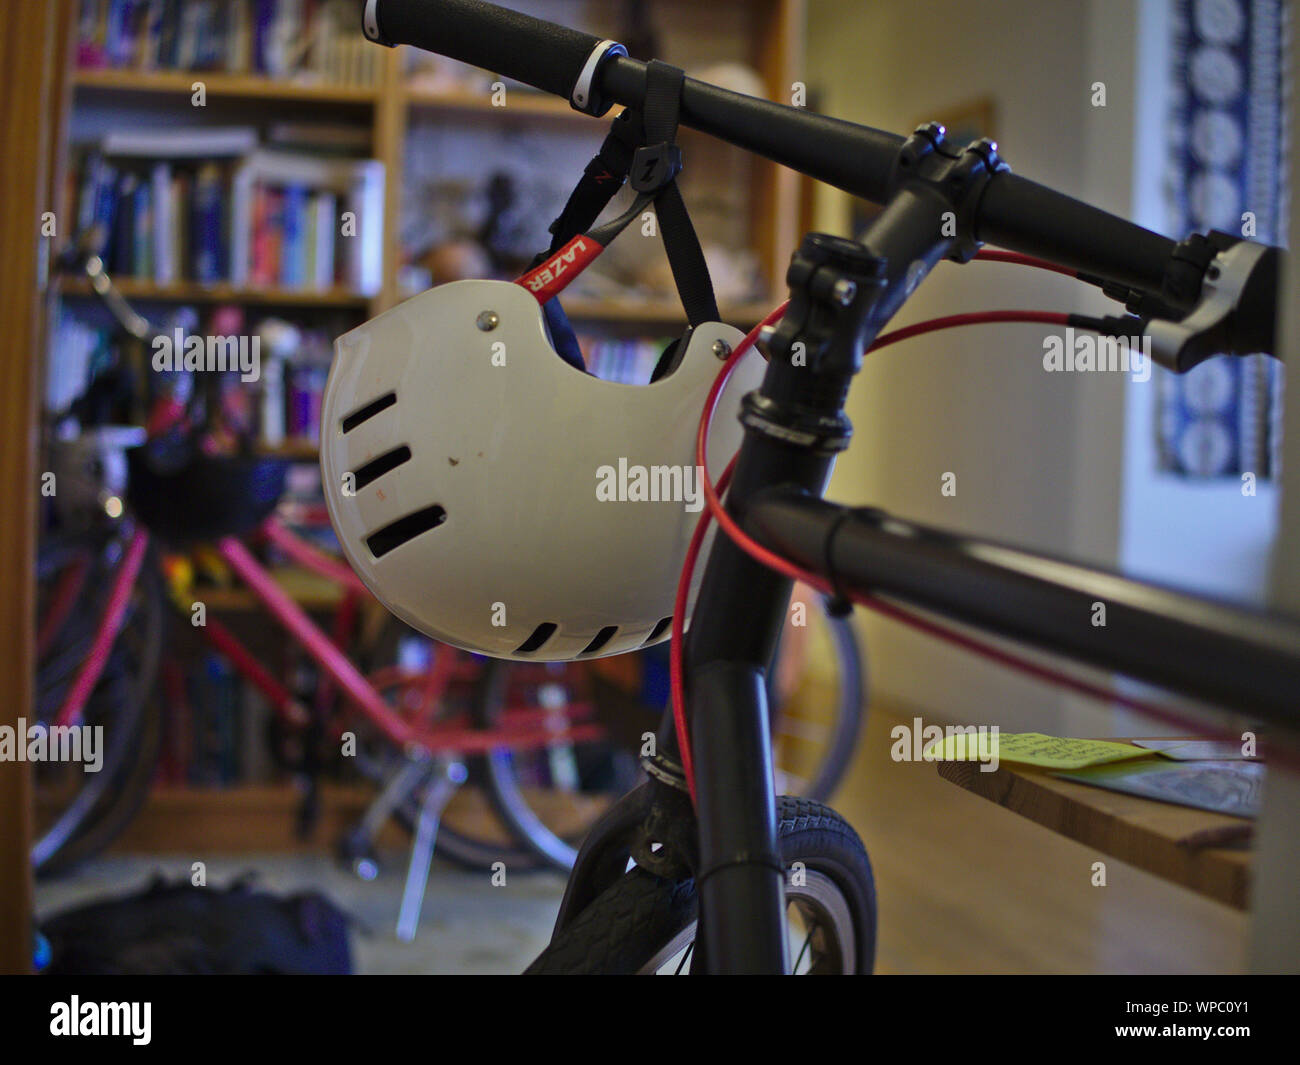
1032, 748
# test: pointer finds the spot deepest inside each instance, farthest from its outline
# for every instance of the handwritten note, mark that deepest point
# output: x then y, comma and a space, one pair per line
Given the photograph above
1033, 748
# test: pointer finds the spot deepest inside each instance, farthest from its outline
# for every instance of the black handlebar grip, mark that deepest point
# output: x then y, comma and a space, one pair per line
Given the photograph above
496, 39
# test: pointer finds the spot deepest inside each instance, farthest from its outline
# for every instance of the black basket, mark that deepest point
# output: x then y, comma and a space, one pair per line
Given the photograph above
202, 497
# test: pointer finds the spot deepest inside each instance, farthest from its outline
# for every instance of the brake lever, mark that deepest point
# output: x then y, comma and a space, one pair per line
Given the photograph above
1235, 313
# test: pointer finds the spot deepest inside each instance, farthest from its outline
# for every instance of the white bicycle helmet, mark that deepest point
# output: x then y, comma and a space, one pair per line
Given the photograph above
462, 459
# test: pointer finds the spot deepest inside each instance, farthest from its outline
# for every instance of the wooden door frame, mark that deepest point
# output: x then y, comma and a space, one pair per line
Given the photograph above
32, 99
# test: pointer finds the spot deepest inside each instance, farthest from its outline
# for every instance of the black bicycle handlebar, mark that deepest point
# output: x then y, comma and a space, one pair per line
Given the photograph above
1011, 211
1015, 212
527, 49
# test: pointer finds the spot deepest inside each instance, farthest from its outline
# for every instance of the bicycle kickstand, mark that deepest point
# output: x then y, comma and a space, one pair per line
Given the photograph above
358, 846
447, 776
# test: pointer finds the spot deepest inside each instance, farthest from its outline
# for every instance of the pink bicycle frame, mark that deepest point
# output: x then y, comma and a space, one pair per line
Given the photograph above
521, 727
106, 635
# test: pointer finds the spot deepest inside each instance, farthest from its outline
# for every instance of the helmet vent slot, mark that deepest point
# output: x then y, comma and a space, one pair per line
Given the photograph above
364, 414
405, 529
540, 635
376, 468
660, 627
603, 637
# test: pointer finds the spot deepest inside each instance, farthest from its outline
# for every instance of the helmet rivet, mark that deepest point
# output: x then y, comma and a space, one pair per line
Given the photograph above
721, 349
488, 320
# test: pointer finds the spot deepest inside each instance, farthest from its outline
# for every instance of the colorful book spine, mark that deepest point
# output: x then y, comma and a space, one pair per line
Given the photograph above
160, 188
207, 228
142, 264
325, 213
293, 272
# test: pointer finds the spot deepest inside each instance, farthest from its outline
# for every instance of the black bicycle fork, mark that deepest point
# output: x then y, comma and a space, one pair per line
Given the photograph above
841, 295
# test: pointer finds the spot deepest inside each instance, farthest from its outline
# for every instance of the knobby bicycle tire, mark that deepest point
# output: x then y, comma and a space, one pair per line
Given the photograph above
632, 922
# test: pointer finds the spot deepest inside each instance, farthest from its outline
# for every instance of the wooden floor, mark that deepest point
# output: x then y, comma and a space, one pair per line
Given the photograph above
965, 886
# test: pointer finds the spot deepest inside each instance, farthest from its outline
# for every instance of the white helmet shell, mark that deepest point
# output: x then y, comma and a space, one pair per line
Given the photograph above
496, 498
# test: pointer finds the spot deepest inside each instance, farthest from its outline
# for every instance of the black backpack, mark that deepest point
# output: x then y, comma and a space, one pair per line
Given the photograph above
181, 929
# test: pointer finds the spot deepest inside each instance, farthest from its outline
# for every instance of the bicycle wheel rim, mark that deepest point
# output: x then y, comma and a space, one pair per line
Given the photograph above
507, 796
825, 921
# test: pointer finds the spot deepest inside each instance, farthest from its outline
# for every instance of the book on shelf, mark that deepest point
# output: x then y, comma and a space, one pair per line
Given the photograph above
281, 410
286, 198
185, 142
326, 137
629, 361
312, 41
215, 726
273, 219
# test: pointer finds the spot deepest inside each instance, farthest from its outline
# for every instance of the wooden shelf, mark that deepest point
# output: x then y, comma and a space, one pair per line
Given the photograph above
193, 292
243, 86
293, 450
520, 104
1160, 838
309, 590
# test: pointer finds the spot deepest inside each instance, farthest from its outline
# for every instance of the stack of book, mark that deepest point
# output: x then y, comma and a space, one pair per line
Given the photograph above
303, 40
626, 361
281, 409
301, 220
215, 727
206, 205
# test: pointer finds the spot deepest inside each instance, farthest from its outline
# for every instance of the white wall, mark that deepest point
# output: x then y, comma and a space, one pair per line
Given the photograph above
1061, 462
1205, 536
1275, 931
1037, 456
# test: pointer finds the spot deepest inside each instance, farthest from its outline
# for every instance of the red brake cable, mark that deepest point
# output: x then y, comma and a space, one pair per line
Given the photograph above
716, 511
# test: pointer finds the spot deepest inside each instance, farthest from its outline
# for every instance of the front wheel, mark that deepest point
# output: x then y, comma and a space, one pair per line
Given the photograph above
644, 924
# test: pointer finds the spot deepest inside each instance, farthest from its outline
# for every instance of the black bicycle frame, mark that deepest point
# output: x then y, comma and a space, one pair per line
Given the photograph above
940, 201
1248, 661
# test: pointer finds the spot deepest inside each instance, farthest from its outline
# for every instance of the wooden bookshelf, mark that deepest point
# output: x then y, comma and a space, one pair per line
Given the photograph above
390, 105
766, 34
293, 450
253, 818
195, 292
219, 85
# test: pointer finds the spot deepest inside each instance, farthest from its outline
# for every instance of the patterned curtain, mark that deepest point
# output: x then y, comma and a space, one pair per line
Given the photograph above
1227, 155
